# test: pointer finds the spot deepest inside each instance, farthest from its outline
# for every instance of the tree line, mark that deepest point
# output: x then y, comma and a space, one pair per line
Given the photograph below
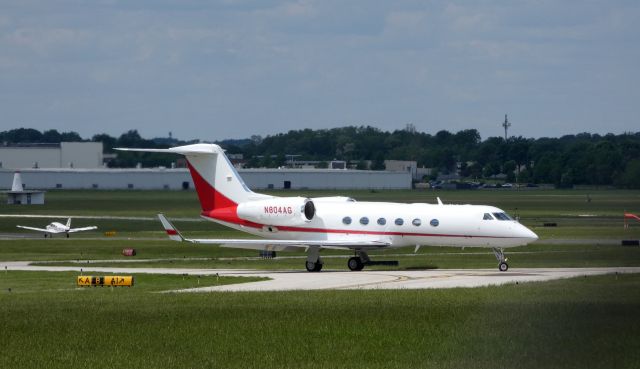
565, 161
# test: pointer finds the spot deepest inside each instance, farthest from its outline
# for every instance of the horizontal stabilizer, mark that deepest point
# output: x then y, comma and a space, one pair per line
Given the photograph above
195, 149
74, 230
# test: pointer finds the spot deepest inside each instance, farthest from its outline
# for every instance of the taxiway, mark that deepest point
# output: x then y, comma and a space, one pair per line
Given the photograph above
367, 279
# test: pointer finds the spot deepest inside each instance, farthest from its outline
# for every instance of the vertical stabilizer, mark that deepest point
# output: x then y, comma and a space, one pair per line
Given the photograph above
216, 180
68, 222
17, 182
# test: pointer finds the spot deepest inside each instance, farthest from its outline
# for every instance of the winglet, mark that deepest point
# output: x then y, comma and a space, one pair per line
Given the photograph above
69, 222
172, 232
439, 201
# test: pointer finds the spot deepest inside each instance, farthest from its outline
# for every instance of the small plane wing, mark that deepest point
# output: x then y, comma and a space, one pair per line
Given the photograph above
37, 229
266, 244
74, 230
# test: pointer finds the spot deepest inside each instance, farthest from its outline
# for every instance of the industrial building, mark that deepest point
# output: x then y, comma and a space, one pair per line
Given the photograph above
62, 155
180, 179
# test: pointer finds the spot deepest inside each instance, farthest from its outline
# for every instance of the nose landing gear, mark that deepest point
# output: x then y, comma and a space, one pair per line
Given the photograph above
499, 253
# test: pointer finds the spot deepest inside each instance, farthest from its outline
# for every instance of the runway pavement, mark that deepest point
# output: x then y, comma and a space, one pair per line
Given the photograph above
402, 279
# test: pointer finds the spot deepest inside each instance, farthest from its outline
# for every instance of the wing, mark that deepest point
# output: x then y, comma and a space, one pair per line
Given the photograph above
74, 230
36, 229
271, 245
288, 245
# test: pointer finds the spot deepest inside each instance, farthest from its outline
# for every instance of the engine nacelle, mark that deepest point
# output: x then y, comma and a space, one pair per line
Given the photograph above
278, 211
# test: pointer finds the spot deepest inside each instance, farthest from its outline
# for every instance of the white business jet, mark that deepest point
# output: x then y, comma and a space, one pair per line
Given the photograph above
312, 224
56, 227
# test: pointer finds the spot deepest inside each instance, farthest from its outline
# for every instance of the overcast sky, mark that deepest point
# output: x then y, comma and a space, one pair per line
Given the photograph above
230, 69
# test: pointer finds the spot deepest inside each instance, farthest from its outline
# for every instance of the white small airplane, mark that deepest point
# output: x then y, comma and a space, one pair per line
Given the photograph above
56, 227
312, 224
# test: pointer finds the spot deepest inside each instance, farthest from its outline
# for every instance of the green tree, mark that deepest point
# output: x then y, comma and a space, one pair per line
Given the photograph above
630, 178
108, 142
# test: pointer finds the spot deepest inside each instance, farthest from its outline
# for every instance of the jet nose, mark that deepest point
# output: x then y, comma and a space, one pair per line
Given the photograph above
529, 234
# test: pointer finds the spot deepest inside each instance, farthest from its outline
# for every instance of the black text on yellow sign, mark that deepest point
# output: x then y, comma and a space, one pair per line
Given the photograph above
112, 280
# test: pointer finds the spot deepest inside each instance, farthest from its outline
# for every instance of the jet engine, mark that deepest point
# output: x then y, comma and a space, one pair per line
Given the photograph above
278, 211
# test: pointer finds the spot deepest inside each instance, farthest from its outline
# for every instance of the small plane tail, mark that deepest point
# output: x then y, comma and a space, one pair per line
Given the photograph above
68, 222
172, 232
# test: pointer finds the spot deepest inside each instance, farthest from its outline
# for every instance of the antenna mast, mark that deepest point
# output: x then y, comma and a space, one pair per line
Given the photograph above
506, 126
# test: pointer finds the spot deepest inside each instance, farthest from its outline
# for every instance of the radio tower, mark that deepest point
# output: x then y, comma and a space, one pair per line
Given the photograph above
506, 126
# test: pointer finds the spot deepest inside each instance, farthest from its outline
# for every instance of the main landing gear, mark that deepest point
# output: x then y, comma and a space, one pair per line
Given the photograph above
357, 263
314, 267
314, 262
499, 253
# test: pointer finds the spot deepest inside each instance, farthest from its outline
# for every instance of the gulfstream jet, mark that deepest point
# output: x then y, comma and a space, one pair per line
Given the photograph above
313, 224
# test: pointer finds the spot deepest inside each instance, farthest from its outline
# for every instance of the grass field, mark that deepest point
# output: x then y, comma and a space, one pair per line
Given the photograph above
579, 323
45, 321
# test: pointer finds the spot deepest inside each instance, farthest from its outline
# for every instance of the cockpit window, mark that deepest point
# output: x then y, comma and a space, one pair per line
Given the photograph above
502, 216
487, 216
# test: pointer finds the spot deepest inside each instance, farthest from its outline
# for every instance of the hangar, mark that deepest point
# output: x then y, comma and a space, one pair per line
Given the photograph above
56, 155
179, 179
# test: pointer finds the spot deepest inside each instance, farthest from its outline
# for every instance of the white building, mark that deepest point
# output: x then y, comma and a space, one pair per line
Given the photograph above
404, 165
177, 179
63, 155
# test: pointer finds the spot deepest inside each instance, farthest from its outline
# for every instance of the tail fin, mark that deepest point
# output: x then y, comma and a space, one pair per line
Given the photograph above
172, 232
68, 222
217, 182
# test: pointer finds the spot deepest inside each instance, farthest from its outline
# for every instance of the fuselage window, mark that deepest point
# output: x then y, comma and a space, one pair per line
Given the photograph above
399, 221
434, 222
382, 221
487, 216
346, 220
416, 222
364, 220
502, 216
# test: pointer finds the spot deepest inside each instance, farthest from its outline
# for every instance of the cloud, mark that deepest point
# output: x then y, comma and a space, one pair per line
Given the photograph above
267, 66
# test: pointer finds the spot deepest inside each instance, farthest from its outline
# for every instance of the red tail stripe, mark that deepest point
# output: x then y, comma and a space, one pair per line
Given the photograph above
631, 216
230, 215
172, 232
210, 199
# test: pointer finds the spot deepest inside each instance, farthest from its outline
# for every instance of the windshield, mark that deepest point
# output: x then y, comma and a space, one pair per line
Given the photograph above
502, 216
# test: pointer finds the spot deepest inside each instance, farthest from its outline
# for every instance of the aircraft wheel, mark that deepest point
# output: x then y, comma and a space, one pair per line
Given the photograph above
355, 264
318, 267
67, 235
503, 267
45, 235
311, 267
